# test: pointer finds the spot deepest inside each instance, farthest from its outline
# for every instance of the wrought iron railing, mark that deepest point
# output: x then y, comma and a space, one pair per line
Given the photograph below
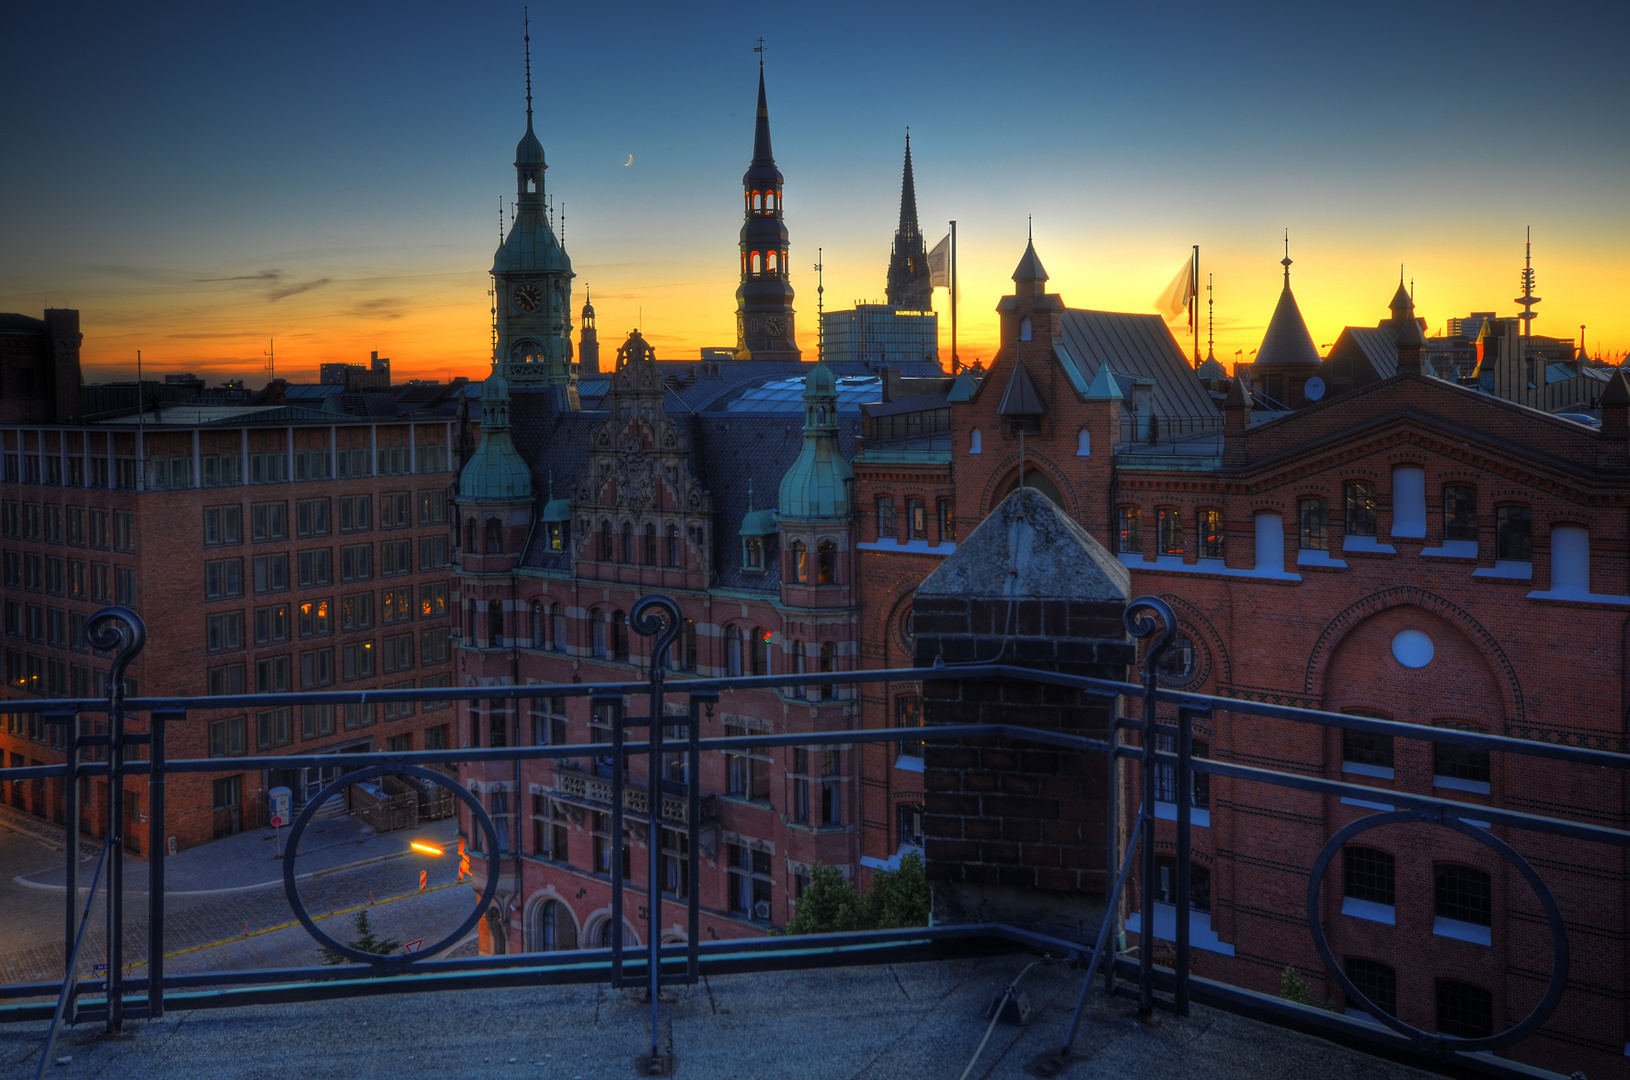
117, 996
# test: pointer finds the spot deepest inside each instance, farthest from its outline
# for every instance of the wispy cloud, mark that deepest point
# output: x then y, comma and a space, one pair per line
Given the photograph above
293, 290
385, 307
264, 275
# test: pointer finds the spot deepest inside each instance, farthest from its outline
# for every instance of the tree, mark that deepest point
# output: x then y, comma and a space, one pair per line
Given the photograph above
899, 899
829, 904
365, 941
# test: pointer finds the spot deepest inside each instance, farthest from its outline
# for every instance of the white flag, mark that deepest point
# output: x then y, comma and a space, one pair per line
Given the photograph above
939, 264
1175, 299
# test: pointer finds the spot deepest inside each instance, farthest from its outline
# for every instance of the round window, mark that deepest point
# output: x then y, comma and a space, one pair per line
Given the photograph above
908, 631
1180, 663
1413, 649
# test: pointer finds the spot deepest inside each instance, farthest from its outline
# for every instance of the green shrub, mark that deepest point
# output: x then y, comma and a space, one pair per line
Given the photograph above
365, 941
831, 905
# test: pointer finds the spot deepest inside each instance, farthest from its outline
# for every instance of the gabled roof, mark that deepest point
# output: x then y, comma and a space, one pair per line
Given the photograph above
1133, 345
1021, 398
1287, 340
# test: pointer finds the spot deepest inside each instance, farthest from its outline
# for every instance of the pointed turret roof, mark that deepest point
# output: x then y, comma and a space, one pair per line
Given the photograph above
1105, 386
495, 472
762, 154
908, 195
1030, 268
1401, 300
1287, 340
1021, 398
817, 485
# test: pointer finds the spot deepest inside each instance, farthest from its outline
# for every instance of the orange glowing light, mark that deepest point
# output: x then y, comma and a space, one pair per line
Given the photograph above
428, 849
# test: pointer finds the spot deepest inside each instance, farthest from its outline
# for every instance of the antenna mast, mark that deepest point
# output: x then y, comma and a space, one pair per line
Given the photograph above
820, 321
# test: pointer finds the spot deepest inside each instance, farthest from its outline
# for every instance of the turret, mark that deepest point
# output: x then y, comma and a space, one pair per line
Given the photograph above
764, 313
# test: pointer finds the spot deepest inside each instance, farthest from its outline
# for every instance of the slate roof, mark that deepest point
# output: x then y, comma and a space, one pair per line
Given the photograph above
1287, 340
1136, 345
1378, 345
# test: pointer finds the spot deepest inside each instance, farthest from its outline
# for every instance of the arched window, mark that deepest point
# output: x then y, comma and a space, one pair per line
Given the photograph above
826, 563
1024, 329
758, 200
495, 625
798, 563
557, 627
619, 636
597, 631
770, 262
605, 540
628, 541
687, 643
757, 654
799, 665
758, 263
829, 664
1083, 443
651, 544
732, 650
538, 629
975, 442
555, 932
470, 545
673, 546
495, 536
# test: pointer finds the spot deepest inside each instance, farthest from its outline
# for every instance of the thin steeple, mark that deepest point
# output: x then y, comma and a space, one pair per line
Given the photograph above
909, 285
526, 40
908, 195
762, 154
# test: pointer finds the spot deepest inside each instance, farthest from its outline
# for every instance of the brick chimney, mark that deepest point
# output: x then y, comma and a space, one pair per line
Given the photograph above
1613, 451
1017, 831
1411, 345
1236, 422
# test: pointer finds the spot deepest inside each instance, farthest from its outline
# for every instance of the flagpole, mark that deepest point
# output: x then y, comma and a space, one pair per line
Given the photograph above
954, 363
1194, 296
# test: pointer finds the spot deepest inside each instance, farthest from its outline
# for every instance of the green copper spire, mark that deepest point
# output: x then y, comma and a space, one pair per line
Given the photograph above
817, 485
495, 472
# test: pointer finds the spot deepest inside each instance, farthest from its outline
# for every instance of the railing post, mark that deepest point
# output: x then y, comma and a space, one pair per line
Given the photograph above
614, 702
653, 847
1185, 815
693, 830
158, 849
1112, 844
71, 814
1146, 860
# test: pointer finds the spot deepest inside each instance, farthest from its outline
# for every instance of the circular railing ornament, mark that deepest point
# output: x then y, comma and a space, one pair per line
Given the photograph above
1139, 619
1553, 914
397, 960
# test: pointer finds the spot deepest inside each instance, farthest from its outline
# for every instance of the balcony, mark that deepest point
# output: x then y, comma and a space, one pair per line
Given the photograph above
897, 1001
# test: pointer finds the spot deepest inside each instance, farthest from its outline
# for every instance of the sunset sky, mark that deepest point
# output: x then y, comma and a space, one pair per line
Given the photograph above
201, 179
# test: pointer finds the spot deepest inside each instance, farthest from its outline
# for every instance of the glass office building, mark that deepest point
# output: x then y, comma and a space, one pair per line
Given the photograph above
881, 334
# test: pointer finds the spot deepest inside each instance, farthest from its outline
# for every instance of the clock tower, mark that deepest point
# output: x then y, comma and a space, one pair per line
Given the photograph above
532, 276
764, 327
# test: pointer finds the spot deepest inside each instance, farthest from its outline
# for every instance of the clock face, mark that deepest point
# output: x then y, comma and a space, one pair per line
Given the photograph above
776, 326
528, 297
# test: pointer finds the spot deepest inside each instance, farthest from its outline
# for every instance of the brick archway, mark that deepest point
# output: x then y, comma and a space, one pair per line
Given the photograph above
1336, 631
1004, 477
1194, 620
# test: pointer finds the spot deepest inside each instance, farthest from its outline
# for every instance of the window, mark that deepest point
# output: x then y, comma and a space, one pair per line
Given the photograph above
1166, 883
398, 651
628, 542
357, 562
1313, 524
357, 660
316, 617
1166, 775
357, 611
99, 529
798, 561
222, 470
826, 563
394, 510
316, 721
947, 515
432, 552
916, 520
272, 675
432, 507
495, 624
56, 577
495, 538
675, 864
908, 713
1366, 753
228, 738
395, 557
557, 628
223, 525
750, 882
311, 465
432, 601
435, 646
1463, 767
651, 544
1025, 329
316, 668
10, 512
752, 553
1464, 1010
550, 830
1460, 512
1360, 502
396, 605
273, 728
619, 636
1368, 874
605, 541
316, 566
356, 513
831, 789
828, 664
102, 582
1210, 529
223, 631
548, 721
1169, 525
673, 546
974, 442
352, 462
887, 527
223, 680
76, 525
597, 630
124, 530
1376, 981
733, 659
269, 521
269, 467
749, 770
600, 829
124, 580
271, 573
1462, 893
1513, 534
687, 646
357, 716
1131, 540
311, 517
910, 818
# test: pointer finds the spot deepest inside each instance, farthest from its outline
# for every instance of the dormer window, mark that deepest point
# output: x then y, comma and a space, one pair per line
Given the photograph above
557, 536
752, 553
1024, 329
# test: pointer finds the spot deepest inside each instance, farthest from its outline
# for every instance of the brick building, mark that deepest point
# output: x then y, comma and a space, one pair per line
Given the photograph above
1411, 549
267, 548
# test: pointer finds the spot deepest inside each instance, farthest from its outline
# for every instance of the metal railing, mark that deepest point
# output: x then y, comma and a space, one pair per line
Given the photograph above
118, 996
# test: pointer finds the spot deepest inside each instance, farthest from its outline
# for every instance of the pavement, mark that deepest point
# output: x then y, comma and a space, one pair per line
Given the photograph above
248, 860
871, 1023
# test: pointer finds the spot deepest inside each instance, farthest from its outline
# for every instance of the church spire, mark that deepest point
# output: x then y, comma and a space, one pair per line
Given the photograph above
909, 285
762, 154
764, 313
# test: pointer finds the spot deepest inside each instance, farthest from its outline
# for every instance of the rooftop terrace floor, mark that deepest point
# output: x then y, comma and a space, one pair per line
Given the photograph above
901, 1020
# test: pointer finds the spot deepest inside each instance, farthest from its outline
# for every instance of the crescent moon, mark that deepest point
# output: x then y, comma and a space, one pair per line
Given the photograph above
629, 162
